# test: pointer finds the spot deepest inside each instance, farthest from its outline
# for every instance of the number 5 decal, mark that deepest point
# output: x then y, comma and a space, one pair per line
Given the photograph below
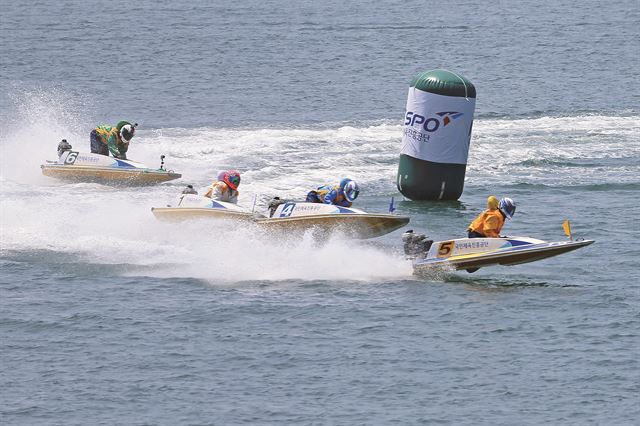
445, 249
71, 158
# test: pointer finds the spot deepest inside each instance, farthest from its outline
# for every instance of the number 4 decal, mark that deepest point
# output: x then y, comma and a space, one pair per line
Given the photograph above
446, 248
287, 209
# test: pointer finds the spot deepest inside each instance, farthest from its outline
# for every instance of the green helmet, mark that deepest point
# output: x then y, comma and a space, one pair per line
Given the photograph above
121, 124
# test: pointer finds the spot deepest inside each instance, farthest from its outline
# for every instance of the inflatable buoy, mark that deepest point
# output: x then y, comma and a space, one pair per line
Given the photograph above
436, 136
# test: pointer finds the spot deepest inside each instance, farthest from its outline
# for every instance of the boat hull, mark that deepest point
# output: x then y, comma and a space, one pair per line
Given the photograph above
193, 206
513, 255
179, 214
109, 176
359, 226
288, 219
76, 166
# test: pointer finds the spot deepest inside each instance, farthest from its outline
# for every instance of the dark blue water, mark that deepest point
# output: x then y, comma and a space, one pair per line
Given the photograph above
109, 317
177, 64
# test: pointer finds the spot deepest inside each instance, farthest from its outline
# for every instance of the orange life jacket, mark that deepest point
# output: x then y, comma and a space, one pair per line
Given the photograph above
489, 223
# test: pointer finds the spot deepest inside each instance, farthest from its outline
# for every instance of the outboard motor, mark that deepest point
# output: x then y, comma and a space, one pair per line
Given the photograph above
415, 245
273, 205
63, 146
189, 190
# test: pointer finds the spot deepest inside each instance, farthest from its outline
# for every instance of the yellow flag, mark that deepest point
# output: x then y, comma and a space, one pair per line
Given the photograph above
567, 228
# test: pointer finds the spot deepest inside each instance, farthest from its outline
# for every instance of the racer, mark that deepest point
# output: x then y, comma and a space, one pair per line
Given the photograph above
226, 188
489, 223
344, 194
107, 139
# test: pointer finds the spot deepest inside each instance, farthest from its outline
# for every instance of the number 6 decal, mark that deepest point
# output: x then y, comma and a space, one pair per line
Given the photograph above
445, 249
71, 158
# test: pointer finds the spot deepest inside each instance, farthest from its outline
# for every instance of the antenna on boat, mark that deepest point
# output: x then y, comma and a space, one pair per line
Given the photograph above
162, 162
391, 207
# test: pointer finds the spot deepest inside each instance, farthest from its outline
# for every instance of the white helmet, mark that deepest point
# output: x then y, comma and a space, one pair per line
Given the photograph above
127, 131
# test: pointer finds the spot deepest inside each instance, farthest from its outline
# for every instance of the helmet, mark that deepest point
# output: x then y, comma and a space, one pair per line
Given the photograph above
232, 178
126, 130
350, 189
508, 207
492, 202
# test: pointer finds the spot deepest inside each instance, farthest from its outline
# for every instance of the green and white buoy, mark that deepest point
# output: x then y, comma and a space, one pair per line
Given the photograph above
436, 136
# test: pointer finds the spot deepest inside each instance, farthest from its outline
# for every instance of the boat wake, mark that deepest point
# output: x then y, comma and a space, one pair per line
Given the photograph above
104, 225
124, 232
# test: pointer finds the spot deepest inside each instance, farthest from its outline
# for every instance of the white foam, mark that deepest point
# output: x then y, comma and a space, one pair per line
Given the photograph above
122, 231
108, 225
550, 150
228, 254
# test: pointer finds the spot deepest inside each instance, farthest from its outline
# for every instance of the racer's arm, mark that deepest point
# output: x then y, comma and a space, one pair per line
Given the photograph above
217, 191
122, 149
112, 143
331, 196
343, 203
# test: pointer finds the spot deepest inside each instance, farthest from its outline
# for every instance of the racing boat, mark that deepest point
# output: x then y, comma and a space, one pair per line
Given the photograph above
326, 218
88, 167
192, 206
287, 217
470, 254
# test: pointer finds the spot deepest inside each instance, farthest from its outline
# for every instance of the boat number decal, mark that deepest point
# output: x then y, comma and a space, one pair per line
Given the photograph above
287, 209
445, 249
71, 158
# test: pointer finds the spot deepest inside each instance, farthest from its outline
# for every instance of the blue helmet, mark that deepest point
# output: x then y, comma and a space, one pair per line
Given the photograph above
350, 189
508, 207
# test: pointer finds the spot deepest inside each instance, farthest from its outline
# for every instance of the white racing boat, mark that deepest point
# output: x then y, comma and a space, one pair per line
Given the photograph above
470, 254
192, 206
88, 167
327, 218
287, 217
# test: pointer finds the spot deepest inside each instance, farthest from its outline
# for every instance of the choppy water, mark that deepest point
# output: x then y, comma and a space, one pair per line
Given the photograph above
109, 317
